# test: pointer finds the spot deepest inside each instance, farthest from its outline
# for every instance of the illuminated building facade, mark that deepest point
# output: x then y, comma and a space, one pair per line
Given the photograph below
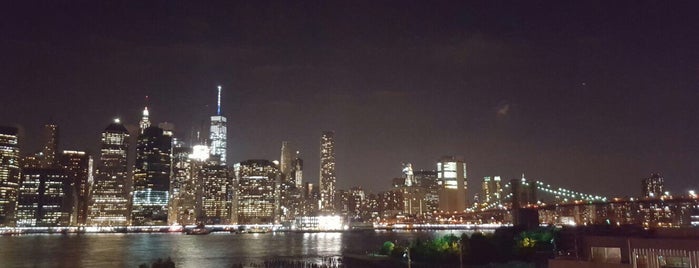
216, 193
491, 190
145, 120
290, 188
354, 204
297, 171
32, 160
451, 174
257, 198
408, 174
110, 195
9, 174
285, 162
50, 150
151, 178
44, 198
217, 133
427, 179
183, 188
327, 177
78, 165
653, 186
390, 203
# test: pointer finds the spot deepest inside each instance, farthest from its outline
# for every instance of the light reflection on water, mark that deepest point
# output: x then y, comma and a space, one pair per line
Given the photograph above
214, 250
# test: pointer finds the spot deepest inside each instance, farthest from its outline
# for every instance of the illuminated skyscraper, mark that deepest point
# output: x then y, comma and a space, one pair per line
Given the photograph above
78, 166
491, 190
427, 179
257, 199
50, 149
451, 174
285, 161
216, 193
653, 186
151, 178
110, 195
297, 170
145, 120
182, 189
44, 198
9, 174
327, 171
217, 133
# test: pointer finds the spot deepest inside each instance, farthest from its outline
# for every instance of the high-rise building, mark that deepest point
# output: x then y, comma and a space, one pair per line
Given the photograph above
354, 204
183, 188
257, 199
427, 179
78, 165
145, 120
216, 193
110, 195
327, 177
491, 190
50, 149
285, 164
151, 178
217, 133
297, 171
9, 174
32, 160
653, 186
44, 198
408, 174
451, 174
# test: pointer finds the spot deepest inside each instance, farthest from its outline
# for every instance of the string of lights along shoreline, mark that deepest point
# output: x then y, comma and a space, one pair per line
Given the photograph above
176, 183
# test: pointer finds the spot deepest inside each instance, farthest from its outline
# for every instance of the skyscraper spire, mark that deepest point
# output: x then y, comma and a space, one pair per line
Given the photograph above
217, 133
218, 103
145, 121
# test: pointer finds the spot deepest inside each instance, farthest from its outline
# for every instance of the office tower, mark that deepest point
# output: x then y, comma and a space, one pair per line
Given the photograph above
327, 178
257, 200
151, 178
311, 199
78, 165
182, 188
297, 171
341, 202
652, 186
50, 149
32, 160
9, 174
491, 190
354, 204
110, 195
390, 203
145, 120
217, 133
216, 193
285, 164
427, 179
408, 174
194, 188
451, 173
44, 198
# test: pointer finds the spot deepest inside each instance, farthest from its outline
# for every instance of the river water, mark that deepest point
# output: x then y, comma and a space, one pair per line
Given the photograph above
213, 250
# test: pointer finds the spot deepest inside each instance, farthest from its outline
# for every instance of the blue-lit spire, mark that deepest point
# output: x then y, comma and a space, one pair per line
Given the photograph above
218, 109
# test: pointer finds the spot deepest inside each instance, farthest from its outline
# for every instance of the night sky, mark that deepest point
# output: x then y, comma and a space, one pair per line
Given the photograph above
593, 96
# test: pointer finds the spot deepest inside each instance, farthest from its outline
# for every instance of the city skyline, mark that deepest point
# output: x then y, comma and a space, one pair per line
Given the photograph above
607, 97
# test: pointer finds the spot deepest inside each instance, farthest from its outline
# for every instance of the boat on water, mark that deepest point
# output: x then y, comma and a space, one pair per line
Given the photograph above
199, 230
252, 230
